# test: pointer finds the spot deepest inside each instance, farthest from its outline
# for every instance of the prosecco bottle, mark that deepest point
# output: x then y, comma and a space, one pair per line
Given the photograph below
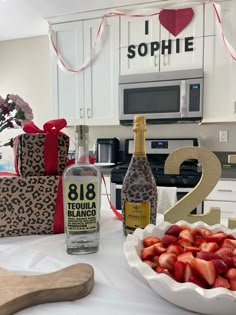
139, 192
81, 196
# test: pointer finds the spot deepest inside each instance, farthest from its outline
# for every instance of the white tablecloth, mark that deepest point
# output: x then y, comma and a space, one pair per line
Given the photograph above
116, 289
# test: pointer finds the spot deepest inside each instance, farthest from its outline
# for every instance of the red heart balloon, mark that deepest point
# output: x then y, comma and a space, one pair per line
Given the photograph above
175, 20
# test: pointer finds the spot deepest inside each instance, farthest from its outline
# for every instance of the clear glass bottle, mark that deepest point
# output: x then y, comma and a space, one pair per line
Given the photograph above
82, 198
139, 191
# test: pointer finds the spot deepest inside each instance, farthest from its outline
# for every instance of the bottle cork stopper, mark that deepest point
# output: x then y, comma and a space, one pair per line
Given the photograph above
139, 122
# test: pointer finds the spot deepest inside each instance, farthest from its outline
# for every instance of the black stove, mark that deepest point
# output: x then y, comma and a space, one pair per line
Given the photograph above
157, 152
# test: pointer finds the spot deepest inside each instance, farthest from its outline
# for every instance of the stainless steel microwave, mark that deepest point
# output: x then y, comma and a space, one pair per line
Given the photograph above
164, 97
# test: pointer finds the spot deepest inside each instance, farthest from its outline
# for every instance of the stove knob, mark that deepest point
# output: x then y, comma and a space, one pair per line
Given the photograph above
185, 181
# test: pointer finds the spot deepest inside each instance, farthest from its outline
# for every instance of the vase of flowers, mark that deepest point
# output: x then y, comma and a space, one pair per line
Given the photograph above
14, 112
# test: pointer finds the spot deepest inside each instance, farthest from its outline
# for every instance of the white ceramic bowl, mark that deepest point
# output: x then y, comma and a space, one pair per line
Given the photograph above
217, 301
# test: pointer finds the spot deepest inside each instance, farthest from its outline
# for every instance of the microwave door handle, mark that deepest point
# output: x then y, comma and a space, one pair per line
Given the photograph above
183, 98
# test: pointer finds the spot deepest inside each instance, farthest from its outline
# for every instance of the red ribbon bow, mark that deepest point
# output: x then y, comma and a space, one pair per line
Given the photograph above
51, 128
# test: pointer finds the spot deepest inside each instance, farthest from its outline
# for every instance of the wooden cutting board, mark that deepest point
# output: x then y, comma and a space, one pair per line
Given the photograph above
18, 292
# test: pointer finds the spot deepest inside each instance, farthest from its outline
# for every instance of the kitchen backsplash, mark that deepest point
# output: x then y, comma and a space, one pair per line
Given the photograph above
207, 134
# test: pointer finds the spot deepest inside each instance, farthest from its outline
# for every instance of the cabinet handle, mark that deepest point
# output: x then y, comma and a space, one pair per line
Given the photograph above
225, 190
156, 59
88, 113
81, 112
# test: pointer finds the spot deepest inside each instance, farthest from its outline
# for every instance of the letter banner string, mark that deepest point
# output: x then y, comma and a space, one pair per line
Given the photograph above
227, 45
116, 212
97, 43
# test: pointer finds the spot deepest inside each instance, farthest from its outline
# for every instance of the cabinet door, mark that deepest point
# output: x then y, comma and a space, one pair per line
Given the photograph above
67, 87
136, 31
176, 57
219, 70
101, 77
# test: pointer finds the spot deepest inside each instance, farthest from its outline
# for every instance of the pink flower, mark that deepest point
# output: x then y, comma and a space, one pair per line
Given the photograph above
14, 111
1, 101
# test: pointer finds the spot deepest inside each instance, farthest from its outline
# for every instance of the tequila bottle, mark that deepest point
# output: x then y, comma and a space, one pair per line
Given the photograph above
82, 198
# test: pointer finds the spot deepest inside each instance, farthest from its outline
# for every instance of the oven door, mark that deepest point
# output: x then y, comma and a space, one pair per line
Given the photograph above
181, 192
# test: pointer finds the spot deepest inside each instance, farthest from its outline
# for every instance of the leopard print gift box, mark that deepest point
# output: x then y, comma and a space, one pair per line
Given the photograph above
29, 154
30, 205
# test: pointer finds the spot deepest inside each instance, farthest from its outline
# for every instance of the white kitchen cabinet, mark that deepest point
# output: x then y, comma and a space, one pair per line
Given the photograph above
224, 197
89, 96
135, 31
219, 70
67, 87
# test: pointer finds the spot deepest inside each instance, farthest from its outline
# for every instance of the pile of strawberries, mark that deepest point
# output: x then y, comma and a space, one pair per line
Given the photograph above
193, 255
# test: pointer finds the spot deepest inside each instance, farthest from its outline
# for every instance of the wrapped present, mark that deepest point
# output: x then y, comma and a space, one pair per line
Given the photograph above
31, 205
41, 152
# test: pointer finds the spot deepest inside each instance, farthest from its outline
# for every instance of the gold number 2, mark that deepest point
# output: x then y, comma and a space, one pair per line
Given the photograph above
211, 172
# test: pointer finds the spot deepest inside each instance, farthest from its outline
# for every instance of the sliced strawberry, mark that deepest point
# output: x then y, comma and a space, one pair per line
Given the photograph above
155, 259
232, 285
174, 230
188, 272
221, 282
185, 257
177, 250
168, 240
196, 233
198, 241
220, 266
209, 247
198, 281
229, 243
151, 240
147, 253
150, 263
183, 242
205, 268
207, 255
231, 236
186, 234
218, 238
179, 271
226, 254
167, 260
158, 248
205, 232
234, 260
231, 274
185, 227
192, 249
159, 269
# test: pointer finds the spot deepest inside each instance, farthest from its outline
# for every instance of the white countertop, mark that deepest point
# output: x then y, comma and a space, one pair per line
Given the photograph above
116, 289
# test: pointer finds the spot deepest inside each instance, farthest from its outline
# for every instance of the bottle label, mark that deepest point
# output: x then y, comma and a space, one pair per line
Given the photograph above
81, 204
137, 215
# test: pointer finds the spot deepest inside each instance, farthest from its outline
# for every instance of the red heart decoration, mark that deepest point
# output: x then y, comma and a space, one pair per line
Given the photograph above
175, 20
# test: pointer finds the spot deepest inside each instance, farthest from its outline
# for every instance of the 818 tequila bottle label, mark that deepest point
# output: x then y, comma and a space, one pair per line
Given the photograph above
81, 205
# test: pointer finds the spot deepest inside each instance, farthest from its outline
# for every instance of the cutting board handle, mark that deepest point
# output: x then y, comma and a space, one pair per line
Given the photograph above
18, 291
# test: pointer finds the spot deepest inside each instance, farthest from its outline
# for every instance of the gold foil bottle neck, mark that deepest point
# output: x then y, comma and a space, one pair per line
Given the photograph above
139, 123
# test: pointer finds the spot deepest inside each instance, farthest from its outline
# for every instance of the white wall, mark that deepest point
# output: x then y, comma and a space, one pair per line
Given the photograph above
25, 70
